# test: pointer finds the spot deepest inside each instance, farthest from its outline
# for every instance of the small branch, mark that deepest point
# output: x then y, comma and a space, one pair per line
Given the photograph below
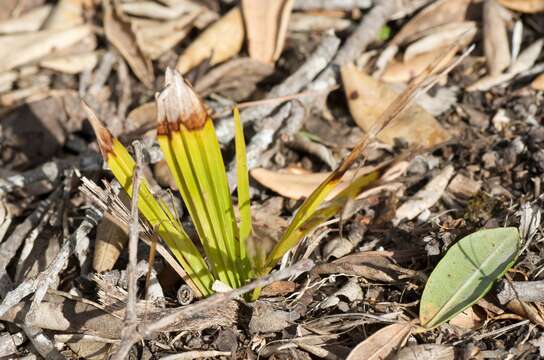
131, 317
292, 85
134, 234
526, 291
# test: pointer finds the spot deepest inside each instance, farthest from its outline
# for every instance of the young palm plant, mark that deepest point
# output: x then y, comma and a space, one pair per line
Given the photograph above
187, 138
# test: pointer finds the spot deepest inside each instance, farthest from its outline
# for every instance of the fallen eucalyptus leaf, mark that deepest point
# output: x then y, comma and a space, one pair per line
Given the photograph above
496, 48
121, 36
266, 27
22, 49
442, 36
29, 21
438, 13
467, 272
368, 98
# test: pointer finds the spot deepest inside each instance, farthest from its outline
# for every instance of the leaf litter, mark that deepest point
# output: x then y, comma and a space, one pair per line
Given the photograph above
313, 82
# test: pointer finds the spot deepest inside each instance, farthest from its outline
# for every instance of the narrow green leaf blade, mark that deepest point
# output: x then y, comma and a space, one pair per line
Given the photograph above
243, 186
467, 272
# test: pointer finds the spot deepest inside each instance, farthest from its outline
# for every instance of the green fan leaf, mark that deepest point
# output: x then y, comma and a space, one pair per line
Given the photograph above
467, 272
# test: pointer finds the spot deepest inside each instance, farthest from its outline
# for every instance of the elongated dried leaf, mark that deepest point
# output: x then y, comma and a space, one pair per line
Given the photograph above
22, 49
467, 272
72, 64
156, 37
524, 61
438, 13
266, 26
382, 343
404, 71
524, 6
219, 42
29, 21
446, 35
496, 49
368, 98
66, 14
121, 36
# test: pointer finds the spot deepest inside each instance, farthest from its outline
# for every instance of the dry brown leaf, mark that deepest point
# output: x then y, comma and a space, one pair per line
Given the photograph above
442, 36
467, 319
110, 241
398, 71
22, 49
438, 13
496, 48
382, 343
72, 64
426, 352
66, 14
219, 42
266, 27
527, 310
29, 21
523, 62
368, 98
524, 6
142, 119
121, 36
426, 197
156, 37
538, 83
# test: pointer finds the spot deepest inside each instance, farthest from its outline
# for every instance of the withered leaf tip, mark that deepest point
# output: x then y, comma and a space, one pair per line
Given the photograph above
178, 104
103, 136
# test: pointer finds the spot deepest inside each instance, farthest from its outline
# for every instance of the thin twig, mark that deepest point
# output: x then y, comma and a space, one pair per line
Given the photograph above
131, 317
292, 85
45, 278
134, 234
